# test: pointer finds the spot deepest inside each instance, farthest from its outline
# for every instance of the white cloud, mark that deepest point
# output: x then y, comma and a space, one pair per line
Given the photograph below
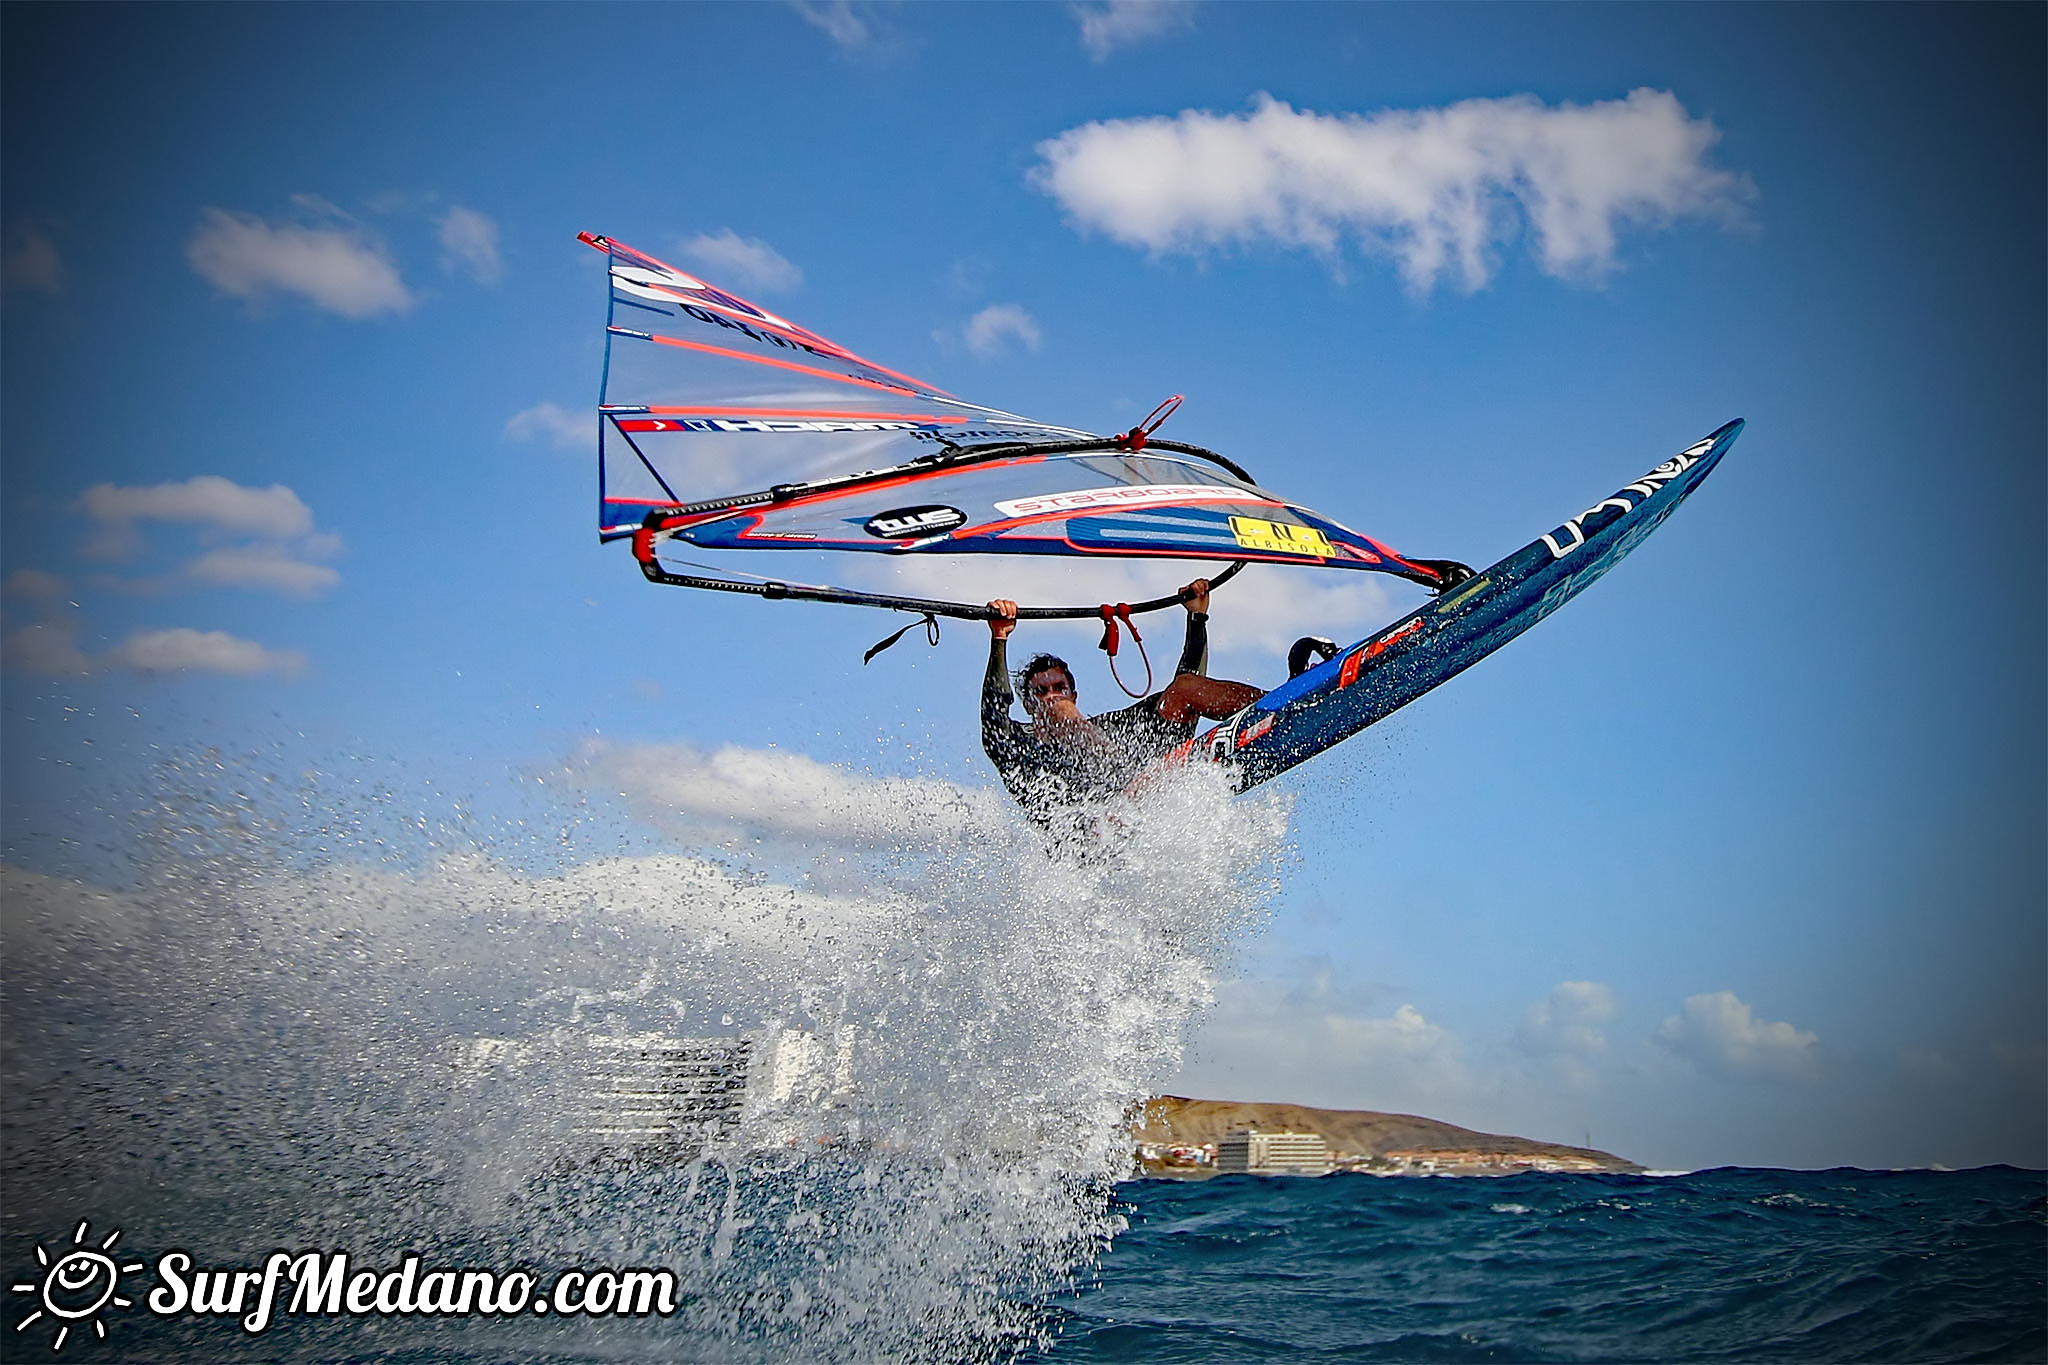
262, 566
1718, 1033
1563, 1037
1121, 23
183, 650
49, 644
747, 262
279, 542
778, 793
1437, 189
1567, 1022
33, 584
1311, 1040
30, 262
1403, 1036
1267, 608
692, 897
845, 23
556, 426
46, 647
208, 500
339, 267
471, 243
519, 928
988, 331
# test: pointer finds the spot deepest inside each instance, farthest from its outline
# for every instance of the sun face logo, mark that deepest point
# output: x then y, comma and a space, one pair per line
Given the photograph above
76, 1286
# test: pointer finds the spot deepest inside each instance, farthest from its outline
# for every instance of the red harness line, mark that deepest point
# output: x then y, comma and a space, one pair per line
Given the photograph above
1132, 442
1121, 611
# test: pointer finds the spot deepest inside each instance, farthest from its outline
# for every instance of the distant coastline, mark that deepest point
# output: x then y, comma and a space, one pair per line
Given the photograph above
1172, 1130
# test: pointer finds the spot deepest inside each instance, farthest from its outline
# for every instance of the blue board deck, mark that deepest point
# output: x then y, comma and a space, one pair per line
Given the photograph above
1385, 671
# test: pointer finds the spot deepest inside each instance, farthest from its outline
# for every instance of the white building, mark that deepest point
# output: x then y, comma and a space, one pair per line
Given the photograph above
1251, 1152
796, 1069
649, 1096
653, 1098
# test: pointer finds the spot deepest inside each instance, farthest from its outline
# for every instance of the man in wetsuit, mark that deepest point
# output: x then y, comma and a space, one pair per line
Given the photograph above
1062, 758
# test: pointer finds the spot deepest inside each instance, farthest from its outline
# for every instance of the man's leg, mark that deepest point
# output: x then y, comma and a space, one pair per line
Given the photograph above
1191, 695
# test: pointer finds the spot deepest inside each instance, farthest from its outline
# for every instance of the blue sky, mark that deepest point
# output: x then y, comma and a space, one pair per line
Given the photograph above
1737, 860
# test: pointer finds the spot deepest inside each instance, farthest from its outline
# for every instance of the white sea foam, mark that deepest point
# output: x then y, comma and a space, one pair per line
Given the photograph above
251, 1046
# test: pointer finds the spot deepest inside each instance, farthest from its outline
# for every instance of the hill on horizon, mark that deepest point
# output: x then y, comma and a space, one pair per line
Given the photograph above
1356, 1133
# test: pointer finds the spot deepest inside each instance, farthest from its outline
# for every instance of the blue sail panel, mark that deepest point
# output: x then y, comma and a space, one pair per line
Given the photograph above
1082, 503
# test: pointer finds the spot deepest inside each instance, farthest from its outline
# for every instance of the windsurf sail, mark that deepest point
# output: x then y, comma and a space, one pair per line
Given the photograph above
723, 426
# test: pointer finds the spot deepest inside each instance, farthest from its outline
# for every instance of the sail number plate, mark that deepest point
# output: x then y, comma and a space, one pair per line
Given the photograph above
1280, 537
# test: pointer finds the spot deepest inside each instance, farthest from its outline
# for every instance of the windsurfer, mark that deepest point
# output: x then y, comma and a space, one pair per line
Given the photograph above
1063, 757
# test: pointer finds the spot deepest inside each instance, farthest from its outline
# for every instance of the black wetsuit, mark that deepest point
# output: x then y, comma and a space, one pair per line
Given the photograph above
1047, 776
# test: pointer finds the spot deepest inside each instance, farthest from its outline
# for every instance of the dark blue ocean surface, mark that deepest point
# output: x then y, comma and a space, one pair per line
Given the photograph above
1721, 1265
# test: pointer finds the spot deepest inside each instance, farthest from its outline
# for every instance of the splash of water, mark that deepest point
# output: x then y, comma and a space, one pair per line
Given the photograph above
255, 1045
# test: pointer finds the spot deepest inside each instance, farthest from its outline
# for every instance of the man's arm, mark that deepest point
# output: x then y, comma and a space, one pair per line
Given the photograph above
1194, 654
1191, 695
996, 696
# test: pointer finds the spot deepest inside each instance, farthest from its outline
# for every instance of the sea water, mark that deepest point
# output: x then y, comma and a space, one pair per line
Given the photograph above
254, 1028
1719, 1265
